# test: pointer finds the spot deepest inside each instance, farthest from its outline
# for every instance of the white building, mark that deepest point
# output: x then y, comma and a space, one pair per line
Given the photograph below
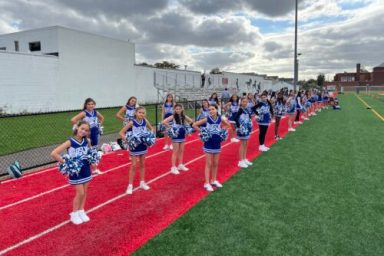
56, 68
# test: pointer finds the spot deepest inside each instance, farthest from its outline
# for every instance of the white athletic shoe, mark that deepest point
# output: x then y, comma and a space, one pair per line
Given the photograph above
291, 129
242, 164
306, 118
234, 140
171, 147
217, 184
129, 189
75, 218
97, 171
263, 148
248, 162
144, 185
166, 147
174, 170
300, 122
208, 187
83, 216
181, 167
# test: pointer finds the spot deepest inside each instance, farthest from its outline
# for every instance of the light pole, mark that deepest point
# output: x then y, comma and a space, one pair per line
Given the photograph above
295, 62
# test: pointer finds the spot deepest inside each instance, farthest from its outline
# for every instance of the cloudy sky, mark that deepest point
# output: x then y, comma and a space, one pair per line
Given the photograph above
234, 35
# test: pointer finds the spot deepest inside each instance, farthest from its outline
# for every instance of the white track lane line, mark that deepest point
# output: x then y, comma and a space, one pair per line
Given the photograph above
47, 231
67, 185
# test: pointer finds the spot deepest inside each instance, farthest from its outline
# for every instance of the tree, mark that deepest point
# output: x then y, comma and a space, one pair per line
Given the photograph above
215, 71
166, 65
145, 64
320, 80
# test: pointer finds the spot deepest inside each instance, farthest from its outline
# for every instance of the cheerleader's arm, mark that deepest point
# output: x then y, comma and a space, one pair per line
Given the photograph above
238, 114
149, 126
225, 122
78, 117
167, 120
120, 113
196, 125
188, 119
124, 130
56, 153
100, 117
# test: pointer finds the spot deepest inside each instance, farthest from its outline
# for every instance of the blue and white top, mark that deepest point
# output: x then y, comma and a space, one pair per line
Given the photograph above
212, 101
291, 105
204, 114
250, 105
233, 109
80, 150
263, 112
213, 145
91, 119
279, 109
129, 113
243, 123
168, 109
138, 128
180, 132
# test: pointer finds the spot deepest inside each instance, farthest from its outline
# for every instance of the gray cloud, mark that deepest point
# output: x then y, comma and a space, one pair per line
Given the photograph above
272, 46
222, 59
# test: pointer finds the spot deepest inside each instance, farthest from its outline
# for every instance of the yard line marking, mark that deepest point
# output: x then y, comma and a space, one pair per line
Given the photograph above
45, 232
67, 185
370, 108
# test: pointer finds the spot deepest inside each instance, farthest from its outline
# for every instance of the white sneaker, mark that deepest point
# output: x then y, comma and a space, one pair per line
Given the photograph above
263, 148
217, 184
266, 148
83, 216
208, 187
242, 164
295, 122
306, 118
171, 147
291, 129
166, 147
248, 162
181, 167
300, 122
129, 189
174, 170
234, 140
144, 186
75, 218
97, 171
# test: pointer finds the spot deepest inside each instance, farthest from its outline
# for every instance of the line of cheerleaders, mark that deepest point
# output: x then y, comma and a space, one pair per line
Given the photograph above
215, 116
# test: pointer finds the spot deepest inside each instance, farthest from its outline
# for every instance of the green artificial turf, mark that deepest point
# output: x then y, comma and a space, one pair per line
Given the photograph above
33, 131
319, 191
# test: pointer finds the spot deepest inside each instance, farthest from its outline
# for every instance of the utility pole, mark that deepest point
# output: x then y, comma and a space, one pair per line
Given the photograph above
295, 62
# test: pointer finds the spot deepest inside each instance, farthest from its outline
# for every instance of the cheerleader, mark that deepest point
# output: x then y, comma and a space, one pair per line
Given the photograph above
299, 108
231, 108
95, 120
279, 110
167, 111
244, 127
214, 100
138, 125
77, 147
127, 112
212, 147
251, 102
264, 112
204, 111
177, 123
306, 105
291, 110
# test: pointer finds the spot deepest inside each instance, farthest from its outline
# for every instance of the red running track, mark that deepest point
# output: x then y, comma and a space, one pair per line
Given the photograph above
119, 223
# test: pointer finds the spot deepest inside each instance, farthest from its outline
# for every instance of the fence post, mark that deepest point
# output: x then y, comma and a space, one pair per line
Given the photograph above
195, 110
156, 119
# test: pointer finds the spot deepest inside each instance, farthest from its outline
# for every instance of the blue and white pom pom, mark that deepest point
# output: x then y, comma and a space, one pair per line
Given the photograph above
243, 130
223, 134
148, 138
93, 156
173, 132
205, 134
14, 170
70, 166
133, 140
188, 129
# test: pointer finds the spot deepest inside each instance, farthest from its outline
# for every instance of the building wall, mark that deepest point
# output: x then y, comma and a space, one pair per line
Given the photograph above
28, 83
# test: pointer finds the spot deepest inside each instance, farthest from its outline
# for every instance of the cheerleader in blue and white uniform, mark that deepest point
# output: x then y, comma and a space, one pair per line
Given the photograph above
244, 128
77, 147
299, 107
264, 113
167, 111
319, 101
251, 101
212, 147
94, 119
291, 110
137, 126
279, 111
177, 123
127, 113
204, 111
231, 108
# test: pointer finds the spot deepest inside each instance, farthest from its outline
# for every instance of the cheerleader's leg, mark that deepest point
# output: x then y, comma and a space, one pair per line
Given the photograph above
215, 163
208, 164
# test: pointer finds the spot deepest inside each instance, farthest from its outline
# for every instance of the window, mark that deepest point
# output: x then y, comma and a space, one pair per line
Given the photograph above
34, 46
3, 48
16, 46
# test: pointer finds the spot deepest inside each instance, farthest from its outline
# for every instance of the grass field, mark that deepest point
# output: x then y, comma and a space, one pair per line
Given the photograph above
317, 192
26, 132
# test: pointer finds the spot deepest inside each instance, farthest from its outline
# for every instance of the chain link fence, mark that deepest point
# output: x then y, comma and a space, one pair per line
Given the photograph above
29, 138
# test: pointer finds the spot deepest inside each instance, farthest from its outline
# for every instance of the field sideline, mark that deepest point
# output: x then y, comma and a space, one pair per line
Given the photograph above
317, 192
